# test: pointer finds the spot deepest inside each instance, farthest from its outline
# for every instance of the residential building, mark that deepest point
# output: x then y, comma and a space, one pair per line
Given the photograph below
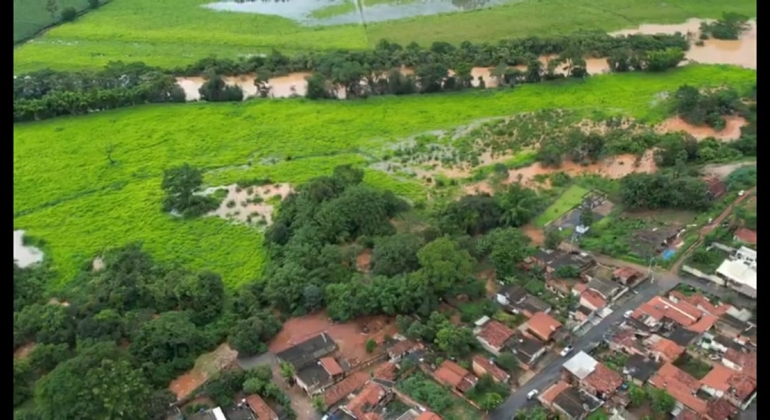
337, 392
680, 385
483, 366
526, 349
717, 382
428, 415
582, 313
739, 276
639, 369
454, 375
543, 326
730, 326
648, 243
510, 294
492, 335
603, 382
403, 348
260, 408
549, 394
561, 287
552, 260
592, 300
600, 279
701, 302
331, 367
386, 371
720, 409
625, 340
240, 411
662, 349
574, 404
626, 276
716, 187
371, 396
682, 336
215, 413
305, 357
660, 310
746, 236
741, 361
531, 305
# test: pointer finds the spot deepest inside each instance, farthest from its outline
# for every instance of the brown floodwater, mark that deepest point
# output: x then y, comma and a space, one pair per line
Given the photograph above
731, 132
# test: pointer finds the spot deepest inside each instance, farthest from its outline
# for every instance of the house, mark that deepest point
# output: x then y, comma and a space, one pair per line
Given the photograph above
746, 236
403, 348
603, 382
331, 367
741, 361
715, 187
337, 392
492, 335
574, 404
719, 343
702, 303
371, 396
260, 408
600, 280
215, 413
720, 409
626, 276
427, 415
681, 386
483, 366
716, 382
682, 336
531, 305
240, 411
553, 260
526, 349
625, 340
579, 366
730, 326
305, 357
510, 294
662, 349
386, 371
592, 300
660, 310
639, 369
581, 313
549, 394
742, 391
739, 276
561, 287
543, 326
454, 375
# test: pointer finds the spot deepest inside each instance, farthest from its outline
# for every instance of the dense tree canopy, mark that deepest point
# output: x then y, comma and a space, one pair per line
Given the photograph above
664, 190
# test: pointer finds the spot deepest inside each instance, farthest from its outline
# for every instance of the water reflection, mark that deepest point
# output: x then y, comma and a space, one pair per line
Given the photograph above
302, 10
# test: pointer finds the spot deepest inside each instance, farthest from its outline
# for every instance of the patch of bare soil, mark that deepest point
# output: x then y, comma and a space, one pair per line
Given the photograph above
534, 233
23, 351
731, 132
54, 301
249, 205
364, 261
349, 336
205, 367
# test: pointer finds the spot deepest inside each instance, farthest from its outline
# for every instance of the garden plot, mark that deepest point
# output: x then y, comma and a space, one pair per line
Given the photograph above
250, 205
599, 205
566, 202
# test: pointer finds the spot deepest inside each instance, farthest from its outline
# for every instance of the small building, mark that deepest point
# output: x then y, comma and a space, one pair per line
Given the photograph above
650, 242
492, 335
626, 276
370, 397
720, 409
600, 280
639, 369
339, 391
215, 413
483, 366
592, 300
682, 386
582, 313
239, 412
403, 348
662, 349
741, 361
305, 357
580, 366
740, 276
526, 349
427, 415
682, 336
746, 236
715, 188
260, 408
603, 382
510, 294
717, 382
549, 394
552, 260
561, 287
574, 404
625, 340
543, 326
730, 326
531, 305
454, 375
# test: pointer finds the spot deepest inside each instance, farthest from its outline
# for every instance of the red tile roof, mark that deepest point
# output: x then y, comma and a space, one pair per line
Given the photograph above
402, 347
658, 307
746, 236
746, 361
680, 385
720, 409
702, 303
579, 287
386, 371
718, 377
593, 298
260, 408
454, 375
625, 272
603, 379
428, 416
551, 393
543, 325
345, 387
495, 333
742, 386
687, 415
490, 368
668, 349
366, 400
331, 366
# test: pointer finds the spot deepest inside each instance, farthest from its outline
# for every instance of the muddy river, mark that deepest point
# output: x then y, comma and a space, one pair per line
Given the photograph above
741, 52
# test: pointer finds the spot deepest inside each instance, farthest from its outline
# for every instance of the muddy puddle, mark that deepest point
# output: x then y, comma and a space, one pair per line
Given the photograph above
251, 205
731, 132
342, 12
24, 255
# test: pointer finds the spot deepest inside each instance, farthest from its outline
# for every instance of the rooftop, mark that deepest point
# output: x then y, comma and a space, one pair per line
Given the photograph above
682, 336
495, 333
701, 302
428, 415
527, 346
543, 325
747, 361
402, 347
680, 385
721, 409
658, 308
625, 273
558, 258
345, 387
260, 408
733, 322
746, 236
239, 413
718, 377
581, 365
492, 369
366, 400
665, 347
308, 351
593, 298
604, 379
742, 386
513, 292
739, 272
533, 304
552, 392
331, 366
640, 368
313, 375
386, 371
452, 374
576, 403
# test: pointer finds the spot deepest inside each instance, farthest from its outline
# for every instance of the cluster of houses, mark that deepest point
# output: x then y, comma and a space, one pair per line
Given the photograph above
653, 339
253, 407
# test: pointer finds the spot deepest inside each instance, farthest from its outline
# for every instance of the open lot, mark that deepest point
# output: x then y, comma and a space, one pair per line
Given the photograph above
572, 197
88, 204
206, 366
172, 33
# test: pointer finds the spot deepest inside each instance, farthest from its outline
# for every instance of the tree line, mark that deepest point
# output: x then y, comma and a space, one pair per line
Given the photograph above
47, 94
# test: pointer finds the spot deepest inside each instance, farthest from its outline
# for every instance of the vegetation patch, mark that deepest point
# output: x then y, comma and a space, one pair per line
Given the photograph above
571, 198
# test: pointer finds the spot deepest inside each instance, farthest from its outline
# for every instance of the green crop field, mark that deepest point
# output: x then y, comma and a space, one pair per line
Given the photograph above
172, 33
68, 194
569, 199
30, 16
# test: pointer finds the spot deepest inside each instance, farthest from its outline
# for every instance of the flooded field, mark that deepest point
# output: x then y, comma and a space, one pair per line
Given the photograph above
741, 52
731, 132
24, 255
250, 205
342, 12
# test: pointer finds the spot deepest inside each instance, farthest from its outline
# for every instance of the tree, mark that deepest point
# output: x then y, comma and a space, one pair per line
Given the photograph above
93, 4
319, 404
455, 341
519, 205
202, 294
491, 401
68, 14
552, 238
106, 325
669, 58
109, 150
444, 263
396, 254
22, 379
662, 401
215, 89
316, 87
249, 337
52, 6
506, 248
370, 345
45, 357
636, 395
100, 382
180, 184
287, 371
508, 362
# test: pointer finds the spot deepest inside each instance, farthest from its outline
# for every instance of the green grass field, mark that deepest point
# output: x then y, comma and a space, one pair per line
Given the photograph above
171, 33
30, 16
568, 200
67, 194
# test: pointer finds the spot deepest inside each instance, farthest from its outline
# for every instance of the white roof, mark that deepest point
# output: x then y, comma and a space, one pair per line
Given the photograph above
581, 365
481, 321
746, 253
739, 272
218, 414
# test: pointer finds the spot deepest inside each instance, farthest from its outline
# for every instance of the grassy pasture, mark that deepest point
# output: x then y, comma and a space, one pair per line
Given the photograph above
171, 33
569, 199
67, 193
30, 16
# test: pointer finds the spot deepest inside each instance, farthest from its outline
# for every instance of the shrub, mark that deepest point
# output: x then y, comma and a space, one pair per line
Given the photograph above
68, 14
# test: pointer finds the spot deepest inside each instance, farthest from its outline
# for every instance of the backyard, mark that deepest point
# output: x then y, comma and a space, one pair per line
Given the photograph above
571, 198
